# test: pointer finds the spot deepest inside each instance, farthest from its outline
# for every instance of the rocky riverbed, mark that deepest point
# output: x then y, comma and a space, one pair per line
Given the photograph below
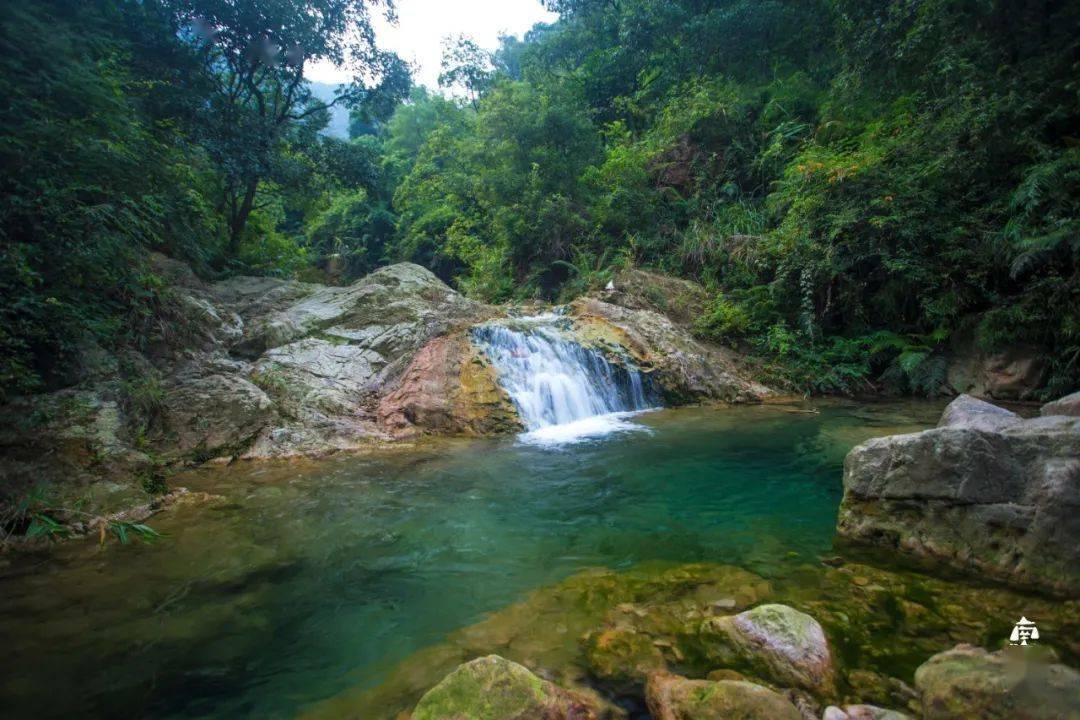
260, 368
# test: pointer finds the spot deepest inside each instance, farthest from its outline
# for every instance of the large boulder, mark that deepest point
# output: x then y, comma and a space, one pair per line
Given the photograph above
1013, 373
671, 697
214, 415
969, 682
967, 411
775, 642
451, 389
493, 688
391, 312
1068, 405
684, 368
986, 494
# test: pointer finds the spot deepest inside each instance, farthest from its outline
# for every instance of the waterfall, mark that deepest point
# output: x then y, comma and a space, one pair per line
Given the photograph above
553, 380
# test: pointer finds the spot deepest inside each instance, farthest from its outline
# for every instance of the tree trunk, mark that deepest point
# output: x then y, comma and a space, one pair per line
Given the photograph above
240, 217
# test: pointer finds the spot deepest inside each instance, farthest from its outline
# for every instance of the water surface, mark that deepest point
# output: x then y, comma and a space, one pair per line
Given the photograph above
308, 578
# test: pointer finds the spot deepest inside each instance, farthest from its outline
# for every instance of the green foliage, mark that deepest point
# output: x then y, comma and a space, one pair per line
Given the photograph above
855, 181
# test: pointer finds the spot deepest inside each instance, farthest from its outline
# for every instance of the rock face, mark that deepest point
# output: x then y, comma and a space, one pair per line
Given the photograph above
969, 412
684, 368
265, 368
493, 688
969, 682
986, 492
213, 415
775, 642
449, 388
671, 697
1068, 405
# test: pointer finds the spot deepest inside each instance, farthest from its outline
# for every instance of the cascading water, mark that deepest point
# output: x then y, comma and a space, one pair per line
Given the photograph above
555, 381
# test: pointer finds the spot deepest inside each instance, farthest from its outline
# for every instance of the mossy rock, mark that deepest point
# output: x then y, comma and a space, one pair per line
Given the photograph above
777, 643
671, 697
493, 688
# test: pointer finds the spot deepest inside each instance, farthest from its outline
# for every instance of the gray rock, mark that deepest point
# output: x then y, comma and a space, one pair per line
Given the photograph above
686, 369
969, 412
1001, 503
969, 682
1068, 405
213, 415
776, 643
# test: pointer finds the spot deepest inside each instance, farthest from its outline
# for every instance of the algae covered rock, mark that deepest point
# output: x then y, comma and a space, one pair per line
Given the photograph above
493, 688
671, 697
970, 682
775, 642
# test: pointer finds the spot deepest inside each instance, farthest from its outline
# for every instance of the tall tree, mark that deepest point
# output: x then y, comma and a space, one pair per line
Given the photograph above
256, 52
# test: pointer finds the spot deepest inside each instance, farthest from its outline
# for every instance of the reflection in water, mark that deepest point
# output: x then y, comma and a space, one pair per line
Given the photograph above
308, 578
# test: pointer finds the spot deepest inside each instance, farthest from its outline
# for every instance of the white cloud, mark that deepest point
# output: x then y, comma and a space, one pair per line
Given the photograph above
422, 24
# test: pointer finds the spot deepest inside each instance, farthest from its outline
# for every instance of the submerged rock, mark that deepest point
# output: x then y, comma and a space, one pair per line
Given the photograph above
969, 682
493, 688
984, 493
775, 642
862, 712
671, 697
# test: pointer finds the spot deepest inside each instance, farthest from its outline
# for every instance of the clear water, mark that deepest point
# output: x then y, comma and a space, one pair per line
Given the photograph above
306, 579
555, 381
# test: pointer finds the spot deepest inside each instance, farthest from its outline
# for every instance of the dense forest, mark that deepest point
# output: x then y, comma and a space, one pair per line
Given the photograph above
855, 183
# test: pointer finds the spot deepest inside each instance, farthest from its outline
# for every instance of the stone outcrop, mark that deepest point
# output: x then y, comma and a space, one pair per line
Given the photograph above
267, 368
776, 643
985, 492
685, 369
1068, 405
493, 688
969, 682
671, 697
449, 388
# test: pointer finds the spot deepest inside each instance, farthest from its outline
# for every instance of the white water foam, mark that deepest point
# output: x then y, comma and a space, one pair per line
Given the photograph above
563, 391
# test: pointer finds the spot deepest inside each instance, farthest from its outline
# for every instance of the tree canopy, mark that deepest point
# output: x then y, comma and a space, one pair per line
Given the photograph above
857, 184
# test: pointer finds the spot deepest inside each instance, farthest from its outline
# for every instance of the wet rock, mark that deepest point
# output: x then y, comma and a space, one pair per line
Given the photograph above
969, 682
493, 688
1003, 503
451, 389
1068, 405
776, 643
684, 368
622, 657
968, 412
862, 712
671, 697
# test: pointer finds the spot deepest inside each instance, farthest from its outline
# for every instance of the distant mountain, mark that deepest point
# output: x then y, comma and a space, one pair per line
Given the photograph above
339, 114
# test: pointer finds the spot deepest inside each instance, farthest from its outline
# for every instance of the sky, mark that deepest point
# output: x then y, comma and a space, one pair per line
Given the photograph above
422, 24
